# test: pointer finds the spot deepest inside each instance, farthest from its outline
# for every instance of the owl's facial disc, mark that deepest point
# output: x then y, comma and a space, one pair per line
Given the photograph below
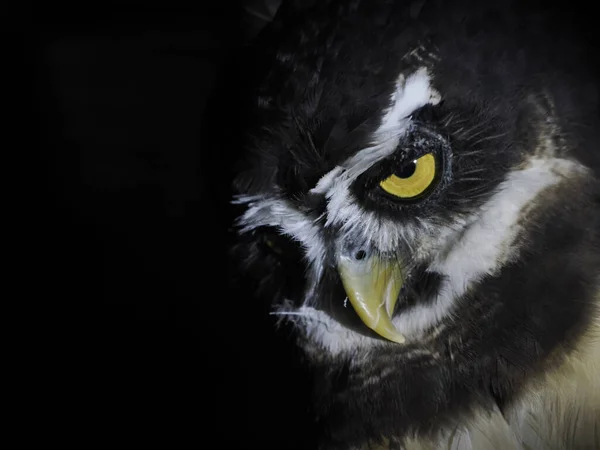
372, 284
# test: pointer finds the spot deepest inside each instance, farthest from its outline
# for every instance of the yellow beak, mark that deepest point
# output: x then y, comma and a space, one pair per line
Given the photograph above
372, 286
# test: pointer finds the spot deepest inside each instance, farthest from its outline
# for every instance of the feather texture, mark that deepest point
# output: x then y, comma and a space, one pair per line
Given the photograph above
500, 256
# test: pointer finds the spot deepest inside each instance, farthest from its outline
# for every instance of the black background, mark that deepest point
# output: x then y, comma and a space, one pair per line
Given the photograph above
137, 114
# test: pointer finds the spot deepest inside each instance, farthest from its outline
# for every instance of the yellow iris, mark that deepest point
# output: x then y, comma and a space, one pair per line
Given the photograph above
416, 183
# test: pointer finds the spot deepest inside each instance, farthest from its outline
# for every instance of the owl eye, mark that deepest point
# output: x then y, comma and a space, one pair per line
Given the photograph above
412, 179
278, 245
271, 243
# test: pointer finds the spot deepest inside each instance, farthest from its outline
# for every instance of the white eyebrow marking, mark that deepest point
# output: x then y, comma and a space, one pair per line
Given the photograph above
326, 181
411, 94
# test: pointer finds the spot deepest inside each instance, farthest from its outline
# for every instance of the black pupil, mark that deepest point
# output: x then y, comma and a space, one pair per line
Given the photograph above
407, 170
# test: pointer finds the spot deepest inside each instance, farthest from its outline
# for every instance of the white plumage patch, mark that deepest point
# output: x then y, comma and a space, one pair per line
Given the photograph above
281, 214
487, 242
325, 332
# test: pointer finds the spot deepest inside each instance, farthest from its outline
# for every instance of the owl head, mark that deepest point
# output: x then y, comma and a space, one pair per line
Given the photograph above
420, 189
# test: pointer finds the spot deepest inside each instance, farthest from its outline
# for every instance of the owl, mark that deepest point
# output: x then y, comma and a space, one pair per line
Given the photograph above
419, 203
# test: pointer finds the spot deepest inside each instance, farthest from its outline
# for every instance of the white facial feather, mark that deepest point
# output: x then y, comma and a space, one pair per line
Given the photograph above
281, 214
325, 332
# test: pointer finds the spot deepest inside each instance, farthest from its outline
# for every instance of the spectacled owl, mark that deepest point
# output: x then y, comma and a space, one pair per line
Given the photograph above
419, 201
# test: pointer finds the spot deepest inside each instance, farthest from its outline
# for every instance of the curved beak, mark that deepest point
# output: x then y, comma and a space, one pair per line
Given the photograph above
372, 285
